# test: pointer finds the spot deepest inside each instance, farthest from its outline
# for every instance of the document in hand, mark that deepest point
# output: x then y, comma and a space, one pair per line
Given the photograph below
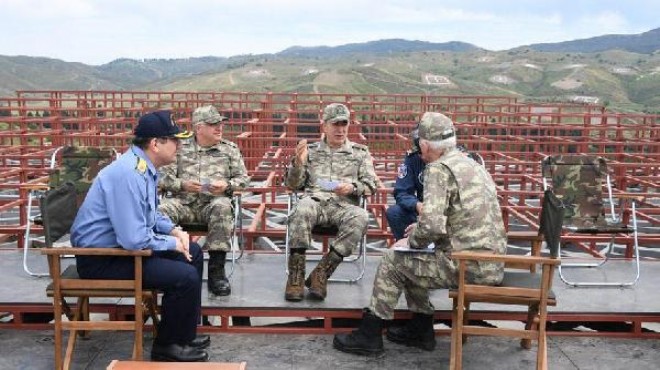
406, 249
328, 185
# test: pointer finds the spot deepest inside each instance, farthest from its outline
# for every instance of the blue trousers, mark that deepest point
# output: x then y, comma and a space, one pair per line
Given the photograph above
170, 273
398, 219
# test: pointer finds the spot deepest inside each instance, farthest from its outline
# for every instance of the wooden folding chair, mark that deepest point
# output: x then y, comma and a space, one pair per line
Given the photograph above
58, 211
524, 287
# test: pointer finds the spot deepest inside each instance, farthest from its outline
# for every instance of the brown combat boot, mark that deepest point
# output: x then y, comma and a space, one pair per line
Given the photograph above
317, 282
295, 290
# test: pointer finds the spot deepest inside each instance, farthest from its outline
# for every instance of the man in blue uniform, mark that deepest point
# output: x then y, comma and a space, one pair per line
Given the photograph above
408, 191
121, 210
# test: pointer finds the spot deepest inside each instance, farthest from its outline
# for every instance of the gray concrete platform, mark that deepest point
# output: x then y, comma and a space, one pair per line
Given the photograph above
258, 285
33, 350
259, 281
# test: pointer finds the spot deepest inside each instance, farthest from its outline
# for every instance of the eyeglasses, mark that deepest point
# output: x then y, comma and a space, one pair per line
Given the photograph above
176, 140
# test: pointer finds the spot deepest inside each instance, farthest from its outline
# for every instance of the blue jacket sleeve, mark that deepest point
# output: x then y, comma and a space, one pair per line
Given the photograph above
128, 210
405, 187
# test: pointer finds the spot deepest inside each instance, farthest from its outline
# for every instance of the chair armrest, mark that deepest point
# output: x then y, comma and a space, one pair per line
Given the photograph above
634, 197
489, 257
116, 252
31, 187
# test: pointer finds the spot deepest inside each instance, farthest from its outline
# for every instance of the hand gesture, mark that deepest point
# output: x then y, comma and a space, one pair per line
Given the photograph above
419, 207
301, 153
218, 187
183, 248
400, 243
190, 186
344, 189
409, 230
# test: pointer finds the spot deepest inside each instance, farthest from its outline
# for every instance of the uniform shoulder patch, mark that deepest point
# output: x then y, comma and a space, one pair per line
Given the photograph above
230, 143
360, 146
141, 166
403, 171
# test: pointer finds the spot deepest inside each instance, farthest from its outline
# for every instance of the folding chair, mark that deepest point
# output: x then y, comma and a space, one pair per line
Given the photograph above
77, 164
577, 180
201, 229
58, 210
328, 232
524, 287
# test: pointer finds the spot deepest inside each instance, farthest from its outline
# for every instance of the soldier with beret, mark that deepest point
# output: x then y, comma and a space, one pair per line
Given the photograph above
334, 173
461, 212
199, 186
121, 210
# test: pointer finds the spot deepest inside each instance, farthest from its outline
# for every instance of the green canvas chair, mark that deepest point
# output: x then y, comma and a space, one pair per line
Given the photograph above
78, 165
578, 181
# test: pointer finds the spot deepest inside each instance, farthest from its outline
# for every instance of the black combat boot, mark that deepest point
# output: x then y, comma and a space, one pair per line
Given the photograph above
418, 332
218, 283
295, 289
317, 282
367, 340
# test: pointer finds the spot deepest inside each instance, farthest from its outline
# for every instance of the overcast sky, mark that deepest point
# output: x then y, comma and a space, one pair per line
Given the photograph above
99, 31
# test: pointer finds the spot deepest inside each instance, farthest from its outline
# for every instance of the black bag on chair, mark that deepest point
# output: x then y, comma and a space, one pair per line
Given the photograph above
58, 211
552, 220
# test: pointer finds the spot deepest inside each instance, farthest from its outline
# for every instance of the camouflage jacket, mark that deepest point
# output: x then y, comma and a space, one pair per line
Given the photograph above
351, 163
222, 161
461, 210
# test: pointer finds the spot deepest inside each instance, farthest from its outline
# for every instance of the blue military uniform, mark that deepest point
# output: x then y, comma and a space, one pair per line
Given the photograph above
408, 190
121, 209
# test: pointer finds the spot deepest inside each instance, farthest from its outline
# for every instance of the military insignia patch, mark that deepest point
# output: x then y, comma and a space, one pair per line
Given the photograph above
141, 166
403, 171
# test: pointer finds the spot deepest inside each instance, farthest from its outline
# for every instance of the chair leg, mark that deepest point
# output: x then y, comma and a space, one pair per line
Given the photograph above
456, 355
58, 333
531, 324
454, 322
466, 320
83, 302
542, 355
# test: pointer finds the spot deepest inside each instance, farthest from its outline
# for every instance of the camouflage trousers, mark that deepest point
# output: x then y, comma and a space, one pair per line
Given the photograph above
218, 214
350, 220
415, 274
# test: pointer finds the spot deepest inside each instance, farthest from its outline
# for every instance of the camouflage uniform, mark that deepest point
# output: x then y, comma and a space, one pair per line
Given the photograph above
351, 163
222, 161
461, 212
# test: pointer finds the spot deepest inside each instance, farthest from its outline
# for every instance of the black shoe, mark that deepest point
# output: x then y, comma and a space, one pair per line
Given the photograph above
177, 353
200, 342
219, 286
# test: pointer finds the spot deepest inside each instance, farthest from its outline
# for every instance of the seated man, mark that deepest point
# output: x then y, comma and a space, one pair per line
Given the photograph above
334, 172
120, 210
199, 188
408, 191
461, 212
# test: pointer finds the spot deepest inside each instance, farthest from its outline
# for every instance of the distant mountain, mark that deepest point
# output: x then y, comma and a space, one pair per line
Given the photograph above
643, 43
132, 73
620, 71
378, 47
29, 73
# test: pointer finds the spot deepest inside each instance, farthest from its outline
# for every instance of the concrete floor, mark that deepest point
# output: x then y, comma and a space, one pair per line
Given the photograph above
32, 349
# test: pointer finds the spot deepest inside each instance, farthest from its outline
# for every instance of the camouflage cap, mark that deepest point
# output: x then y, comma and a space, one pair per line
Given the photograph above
435, 126
207, 114
336, 112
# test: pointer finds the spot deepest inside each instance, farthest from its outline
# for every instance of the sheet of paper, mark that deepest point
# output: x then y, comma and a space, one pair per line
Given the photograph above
406, 249
328, 185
